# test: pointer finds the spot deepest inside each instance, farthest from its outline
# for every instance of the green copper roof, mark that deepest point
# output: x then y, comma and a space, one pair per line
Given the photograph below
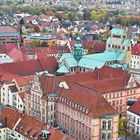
63, 69
123, 66
71, 61
78, 38
90, 64
117, 31
91, 61
125, 42
64, 56
109, 41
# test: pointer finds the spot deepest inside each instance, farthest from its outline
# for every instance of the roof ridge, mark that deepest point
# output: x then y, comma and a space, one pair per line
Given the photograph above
79, 84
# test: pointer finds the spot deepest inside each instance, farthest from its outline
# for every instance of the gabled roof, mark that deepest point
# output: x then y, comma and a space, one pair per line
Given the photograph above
117, 31
135, 108
23, 80
27, 126
104, 76
22, 95
30, 67
89, 98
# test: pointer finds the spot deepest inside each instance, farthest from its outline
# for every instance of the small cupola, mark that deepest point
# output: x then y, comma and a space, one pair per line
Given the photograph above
78, 49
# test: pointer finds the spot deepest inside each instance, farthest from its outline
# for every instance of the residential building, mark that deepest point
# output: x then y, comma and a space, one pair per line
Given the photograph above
18, 126
12, 93
133, 114
9, 34
135, 57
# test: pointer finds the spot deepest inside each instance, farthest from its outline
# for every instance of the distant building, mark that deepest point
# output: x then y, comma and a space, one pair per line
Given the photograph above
76, 61
135, 57
18, 126
9, 34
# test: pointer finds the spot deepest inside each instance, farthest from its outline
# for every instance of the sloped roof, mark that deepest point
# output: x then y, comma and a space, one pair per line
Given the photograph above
135, 108
106, 74
96, 104
22, 95
30, 67
136, 49
30, 125
7, 29
60, 136
117, 31
23, 80
92, 61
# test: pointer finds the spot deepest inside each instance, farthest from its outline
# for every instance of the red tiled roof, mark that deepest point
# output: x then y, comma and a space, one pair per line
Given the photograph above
136, 50
17, 55
135, 108
5, 48
30, 67
7, 29
12, 117
109, 78
22, 94
88, 98
6, 76
57, 135
109, 85
23, 80
32, 126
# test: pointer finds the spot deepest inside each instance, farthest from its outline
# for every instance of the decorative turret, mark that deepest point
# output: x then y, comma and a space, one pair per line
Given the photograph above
78, 49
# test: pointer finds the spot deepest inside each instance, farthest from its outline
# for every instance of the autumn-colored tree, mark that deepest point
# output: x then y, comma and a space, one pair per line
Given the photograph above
50, 13
59, 15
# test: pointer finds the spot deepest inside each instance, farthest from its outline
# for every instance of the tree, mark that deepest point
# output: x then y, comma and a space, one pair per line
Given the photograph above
71, 16
59, 16
35, 43
86, 15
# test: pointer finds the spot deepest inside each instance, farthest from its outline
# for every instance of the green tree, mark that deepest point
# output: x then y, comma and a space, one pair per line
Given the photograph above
71, 16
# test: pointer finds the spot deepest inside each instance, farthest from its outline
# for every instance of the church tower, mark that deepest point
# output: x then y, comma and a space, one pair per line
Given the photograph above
78, 49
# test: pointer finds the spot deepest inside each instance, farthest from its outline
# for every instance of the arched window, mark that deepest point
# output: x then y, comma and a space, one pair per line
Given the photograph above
109, 137
103, 136
104, 125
